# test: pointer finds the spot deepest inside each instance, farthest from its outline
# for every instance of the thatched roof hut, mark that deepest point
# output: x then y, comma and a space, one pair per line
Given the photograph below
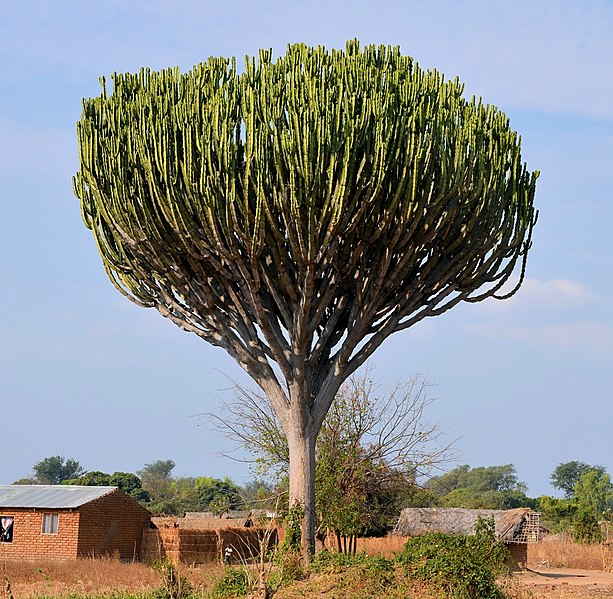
512, 526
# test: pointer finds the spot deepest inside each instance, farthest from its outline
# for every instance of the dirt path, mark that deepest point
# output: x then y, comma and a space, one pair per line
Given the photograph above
550, 582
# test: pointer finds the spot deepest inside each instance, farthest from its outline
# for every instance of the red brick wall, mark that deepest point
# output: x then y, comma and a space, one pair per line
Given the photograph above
29, 540
112, 524
518, 555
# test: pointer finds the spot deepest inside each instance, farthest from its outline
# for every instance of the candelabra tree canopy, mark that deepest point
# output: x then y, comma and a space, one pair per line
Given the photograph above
303, 210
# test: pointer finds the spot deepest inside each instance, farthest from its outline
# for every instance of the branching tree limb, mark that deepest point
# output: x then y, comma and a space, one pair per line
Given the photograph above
372, 447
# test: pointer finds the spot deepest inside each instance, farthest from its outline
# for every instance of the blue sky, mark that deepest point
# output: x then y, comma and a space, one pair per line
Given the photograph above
86, 374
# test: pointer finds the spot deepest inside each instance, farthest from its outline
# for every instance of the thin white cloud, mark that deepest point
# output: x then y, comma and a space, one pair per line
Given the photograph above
534, 295
560, 292
594, 337
560, 314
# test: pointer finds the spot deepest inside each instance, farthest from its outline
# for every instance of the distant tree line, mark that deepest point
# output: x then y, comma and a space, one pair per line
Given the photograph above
359, 493
492, 487
587, 501
155, 487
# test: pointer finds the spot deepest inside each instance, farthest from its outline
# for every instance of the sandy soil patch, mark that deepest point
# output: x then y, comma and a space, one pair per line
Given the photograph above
552, 583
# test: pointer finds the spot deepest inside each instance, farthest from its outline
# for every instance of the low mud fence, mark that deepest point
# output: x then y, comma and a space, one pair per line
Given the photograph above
192, 546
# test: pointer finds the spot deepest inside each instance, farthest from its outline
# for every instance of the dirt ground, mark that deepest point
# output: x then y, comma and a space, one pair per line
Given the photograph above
550, 583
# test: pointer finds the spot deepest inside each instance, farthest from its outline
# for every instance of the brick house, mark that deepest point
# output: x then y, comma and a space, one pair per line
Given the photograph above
66, 522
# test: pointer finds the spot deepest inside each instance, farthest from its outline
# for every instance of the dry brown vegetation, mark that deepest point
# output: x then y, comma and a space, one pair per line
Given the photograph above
100, 576
83, 576
108, 577
564, 553
381, 546
349, 584
385, 546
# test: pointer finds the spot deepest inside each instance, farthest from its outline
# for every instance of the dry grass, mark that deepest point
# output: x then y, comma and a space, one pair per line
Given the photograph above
29, 578
203, 577
95, 577
385, 546
379, 546
564, 553
352, 584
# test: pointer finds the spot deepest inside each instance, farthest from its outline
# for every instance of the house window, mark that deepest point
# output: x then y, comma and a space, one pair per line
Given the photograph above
6, 529
50, 524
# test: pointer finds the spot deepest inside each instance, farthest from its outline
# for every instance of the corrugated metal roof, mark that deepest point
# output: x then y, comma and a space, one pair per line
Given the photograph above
49, 496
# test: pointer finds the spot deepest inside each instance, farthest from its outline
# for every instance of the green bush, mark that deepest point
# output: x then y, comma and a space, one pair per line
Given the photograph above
174, 586
374, 568
585, 527
465, 567
288, 568
235, 582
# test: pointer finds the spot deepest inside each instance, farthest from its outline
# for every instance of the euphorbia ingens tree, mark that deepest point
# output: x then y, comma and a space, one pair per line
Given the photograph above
301, 211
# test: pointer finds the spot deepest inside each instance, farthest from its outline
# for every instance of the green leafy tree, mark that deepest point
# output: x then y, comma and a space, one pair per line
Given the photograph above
157, 470
172, 496
55, 469
484, 487
163, 493
255, 493
458, 478
585, 525
594, 500
557, 514
490, 500
129, 483
200, 494
580, 514
95, 478
594, 491
155, 477
217, 495
480, 479
299, 212
567, 474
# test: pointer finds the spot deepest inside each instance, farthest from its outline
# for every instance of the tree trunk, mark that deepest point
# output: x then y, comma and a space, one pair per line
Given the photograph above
302, 483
